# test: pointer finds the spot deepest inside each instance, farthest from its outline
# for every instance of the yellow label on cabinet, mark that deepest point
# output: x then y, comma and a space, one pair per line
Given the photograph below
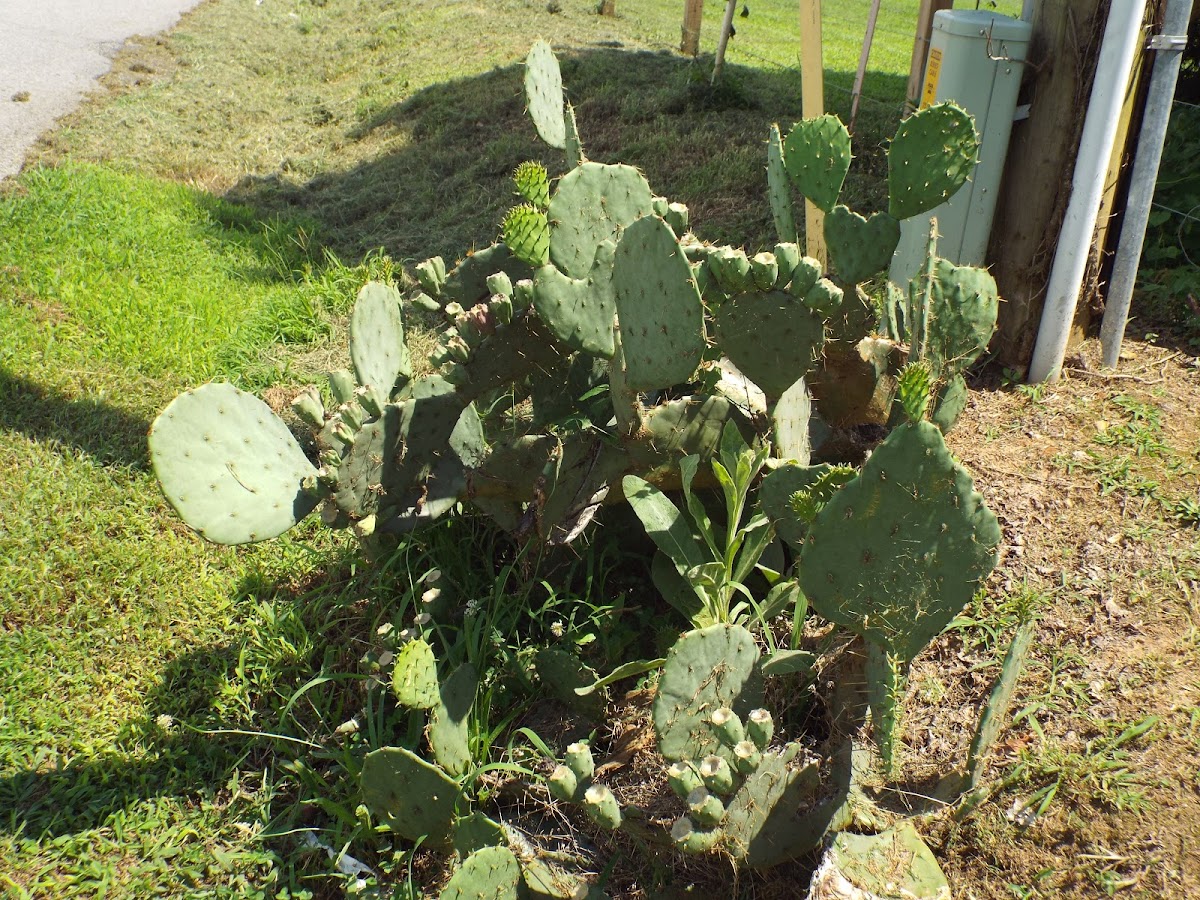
932, 70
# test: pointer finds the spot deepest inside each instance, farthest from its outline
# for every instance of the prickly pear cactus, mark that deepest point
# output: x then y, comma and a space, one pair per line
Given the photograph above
544, 94
778, 190
893, 865
229, 466
448, 720
377, 346
817, 155
412, 797
594, 203
859, 248
414, 676
773, 338
761, 826
932, 155
492, 873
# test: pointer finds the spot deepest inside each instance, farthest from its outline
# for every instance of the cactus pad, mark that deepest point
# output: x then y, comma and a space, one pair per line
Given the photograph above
900, 550
658, 307
579, 311
963, 304
817, 156
705, 670
377, 346
594, 203
778, 190
492, 873
761, 821
561, 672
773, 338
448, 722
891, 865
412, 797
932, 155
951, 401
544, 95
860, 248
229, 466
414, 676
467, 284
476, 831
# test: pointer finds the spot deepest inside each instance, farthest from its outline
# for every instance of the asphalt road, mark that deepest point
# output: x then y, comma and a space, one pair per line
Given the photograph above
52, 52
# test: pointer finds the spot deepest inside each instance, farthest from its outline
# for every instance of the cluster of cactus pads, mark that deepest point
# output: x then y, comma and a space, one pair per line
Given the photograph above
600, 339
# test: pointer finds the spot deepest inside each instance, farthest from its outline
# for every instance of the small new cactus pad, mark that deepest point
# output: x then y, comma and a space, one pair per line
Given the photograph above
544, 95
377, 346
526, 233
476, 831
561, 672
860, 248
963, 304
658, 307
414, 675
932, 155
579, 311
763, 821
951, 401
574, 146
817, 156
594, 203
229, 466
448, 733
533, 183
892, 865
773, 338
412, 797
706, 669
492, 873
901, 549
789, 424
778, 190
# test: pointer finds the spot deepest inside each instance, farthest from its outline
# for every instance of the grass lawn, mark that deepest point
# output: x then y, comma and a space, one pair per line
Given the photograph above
168, 708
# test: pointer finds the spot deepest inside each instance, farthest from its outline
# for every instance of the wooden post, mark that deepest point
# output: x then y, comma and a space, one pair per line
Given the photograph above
916, 69
812, 104
608, 7
856, 94
723, 40
693, 13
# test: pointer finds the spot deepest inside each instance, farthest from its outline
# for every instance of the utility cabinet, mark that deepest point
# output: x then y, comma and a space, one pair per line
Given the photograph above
975, 60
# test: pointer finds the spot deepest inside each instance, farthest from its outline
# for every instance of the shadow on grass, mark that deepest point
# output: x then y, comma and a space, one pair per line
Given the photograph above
107, 434
442, 186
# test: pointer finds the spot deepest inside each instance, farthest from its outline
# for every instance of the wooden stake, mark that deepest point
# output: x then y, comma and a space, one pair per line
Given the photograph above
916, 69
723, 40
856, 94
812, 104
693, 13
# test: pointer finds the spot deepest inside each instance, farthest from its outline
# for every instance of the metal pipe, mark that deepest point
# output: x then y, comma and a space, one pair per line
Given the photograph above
1145, 172
1122, 37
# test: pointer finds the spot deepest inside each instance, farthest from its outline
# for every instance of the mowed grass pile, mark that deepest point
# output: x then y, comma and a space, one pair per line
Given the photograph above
179, 238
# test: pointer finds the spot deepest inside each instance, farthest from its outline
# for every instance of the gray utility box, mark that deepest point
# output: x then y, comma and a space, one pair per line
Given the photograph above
975, 60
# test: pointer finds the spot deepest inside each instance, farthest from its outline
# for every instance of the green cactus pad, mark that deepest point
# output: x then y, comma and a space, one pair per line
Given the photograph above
779, 192
546, 880
594, 203
963, 304
951, 401
932, 155
900, 550
412, 797
533, 184
377, 346
991, 717
658, 307
789, 424
475, 832
229, 466
414, 676
860, 248
448, 722
689, 426
544, 95
526, 233
467, 283
775, 494
761, 827
773, 338
492, 873
817, 156
891, 865
574, 145
561, 672
706, 669
579, 311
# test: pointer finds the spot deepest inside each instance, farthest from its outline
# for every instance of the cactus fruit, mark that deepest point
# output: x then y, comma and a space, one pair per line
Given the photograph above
533, 184
728, 726
932, 155
229, 466
414, 676
563, 784
730, 269
705, 807
692, 840
683, 778
817, 156
448, 732
805, 274
308, 406
594, 203
579, 760
901, 549
342, 385
760, 727
824, 298
377, 346
492, 873
526, 232
602, 807
412, 797
716, 773
860, 248
773, 338
746, 757
788, 257
431, 275
706, 669
764, 269
778, 190
677, 217
658, 307
544, 94
579, 311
